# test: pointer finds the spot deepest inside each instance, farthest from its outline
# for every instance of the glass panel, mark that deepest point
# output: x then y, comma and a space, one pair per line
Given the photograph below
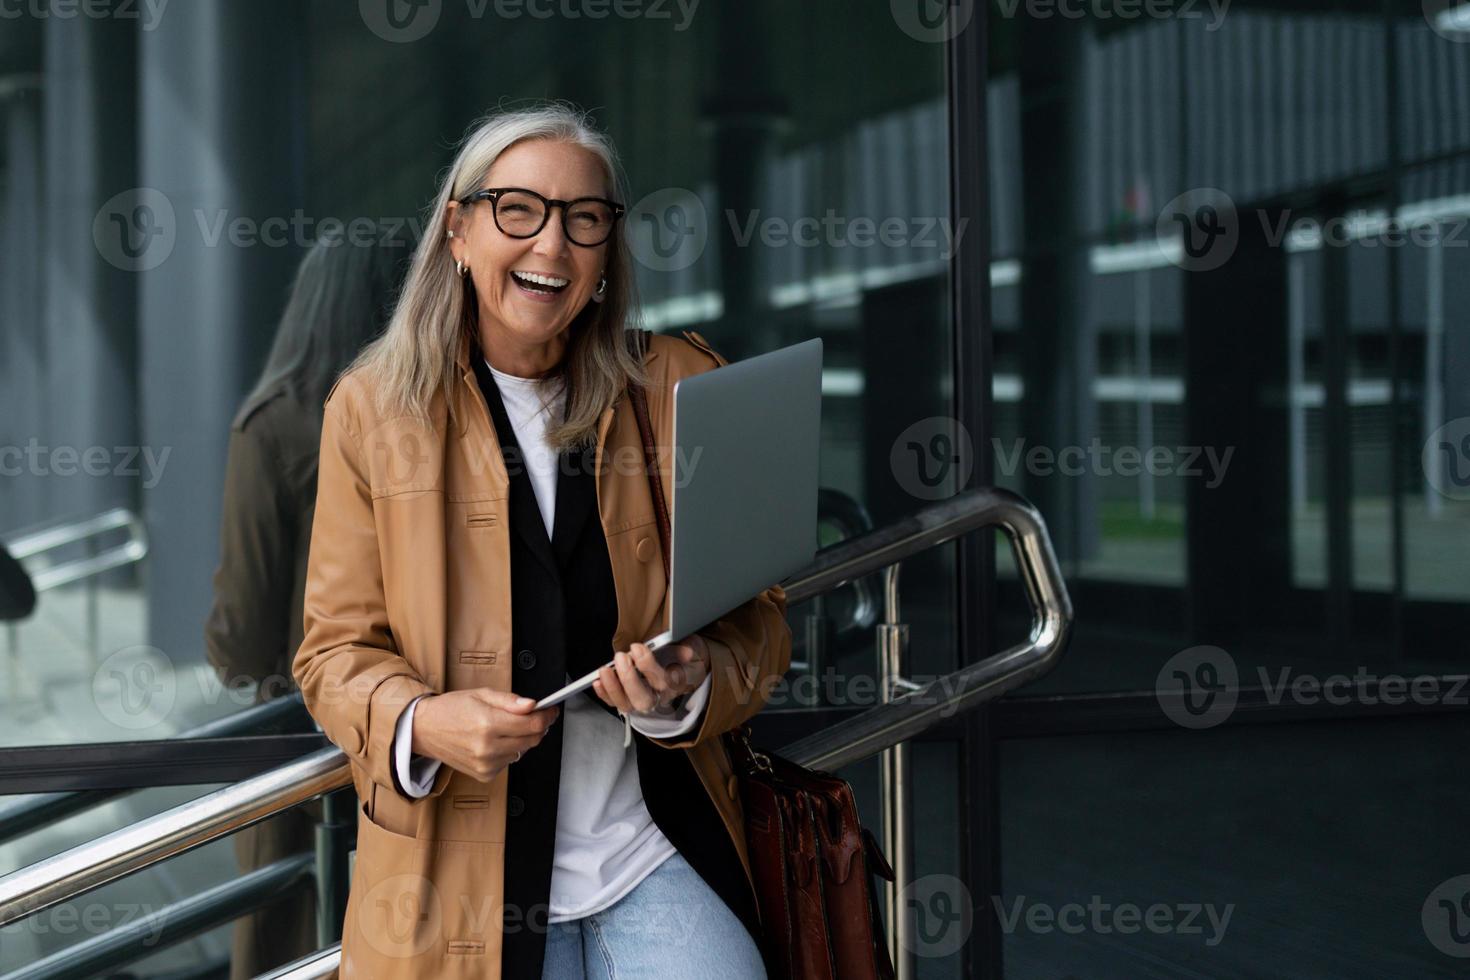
1151, 863
1225, 320
191, 167
807, 200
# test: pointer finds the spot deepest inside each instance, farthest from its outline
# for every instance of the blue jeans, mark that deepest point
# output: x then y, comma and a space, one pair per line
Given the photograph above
672, 925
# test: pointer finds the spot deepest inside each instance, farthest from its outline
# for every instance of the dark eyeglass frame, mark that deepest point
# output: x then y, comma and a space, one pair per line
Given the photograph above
492, 194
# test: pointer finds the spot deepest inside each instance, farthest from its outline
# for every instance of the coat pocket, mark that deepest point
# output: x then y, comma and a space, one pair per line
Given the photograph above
420, 908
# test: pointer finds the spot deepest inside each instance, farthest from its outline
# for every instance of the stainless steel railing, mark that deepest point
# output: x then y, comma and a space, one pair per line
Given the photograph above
902, 717
29, 544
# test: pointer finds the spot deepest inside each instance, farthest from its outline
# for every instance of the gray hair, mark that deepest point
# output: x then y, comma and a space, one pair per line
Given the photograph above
415, 356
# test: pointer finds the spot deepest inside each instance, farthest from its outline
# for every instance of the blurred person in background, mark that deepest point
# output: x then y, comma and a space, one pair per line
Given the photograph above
341, 299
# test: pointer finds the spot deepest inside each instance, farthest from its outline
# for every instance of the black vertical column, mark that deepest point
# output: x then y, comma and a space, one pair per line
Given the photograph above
1237, 534
1058, 356
1338, 438
744, 116
973, 358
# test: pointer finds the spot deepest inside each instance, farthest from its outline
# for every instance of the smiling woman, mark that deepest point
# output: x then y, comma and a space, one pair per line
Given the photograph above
469, 554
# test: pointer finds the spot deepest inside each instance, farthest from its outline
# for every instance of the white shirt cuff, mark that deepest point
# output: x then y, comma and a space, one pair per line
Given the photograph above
665, 726
415, 772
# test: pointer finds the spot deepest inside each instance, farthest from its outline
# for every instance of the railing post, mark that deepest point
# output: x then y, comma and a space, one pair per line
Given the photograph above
818, 632
334, 836
94, 630
12, 640
895, 780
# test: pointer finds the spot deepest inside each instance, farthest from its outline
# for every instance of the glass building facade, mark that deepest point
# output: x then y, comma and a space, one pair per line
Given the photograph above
1185, 275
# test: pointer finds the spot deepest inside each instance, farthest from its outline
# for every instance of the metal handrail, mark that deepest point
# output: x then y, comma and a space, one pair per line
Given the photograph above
906, 716
21, 815
170, 833
227, 810
322, 963
31, 543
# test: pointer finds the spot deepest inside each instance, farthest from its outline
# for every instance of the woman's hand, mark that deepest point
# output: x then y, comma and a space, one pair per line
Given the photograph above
479, 731
637, 682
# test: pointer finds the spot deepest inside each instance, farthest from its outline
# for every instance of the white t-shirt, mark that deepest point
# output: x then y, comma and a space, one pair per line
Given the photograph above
606, 841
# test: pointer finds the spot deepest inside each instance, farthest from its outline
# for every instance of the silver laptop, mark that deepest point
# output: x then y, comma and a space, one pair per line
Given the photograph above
744, 509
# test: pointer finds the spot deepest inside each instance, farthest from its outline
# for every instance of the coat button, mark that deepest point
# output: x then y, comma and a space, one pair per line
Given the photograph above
644, 549
732, 787
515, 806
525, 660
354, 741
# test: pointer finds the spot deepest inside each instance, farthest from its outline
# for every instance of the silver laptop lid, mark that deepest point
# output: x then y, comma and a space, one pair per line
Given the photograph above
744, 513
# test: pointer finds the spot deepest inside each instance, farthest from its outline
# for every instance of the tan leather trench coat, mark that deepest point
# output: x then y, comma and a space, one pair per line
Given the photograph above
408, 592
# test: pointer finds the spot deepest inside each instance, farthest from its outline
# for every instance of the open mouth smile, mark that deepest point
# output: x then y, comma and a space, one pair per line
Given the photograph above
538, 285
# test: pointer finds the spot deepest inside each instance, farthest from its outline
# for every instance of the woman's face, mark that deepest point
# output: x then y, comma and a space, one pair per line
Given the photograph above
512, 311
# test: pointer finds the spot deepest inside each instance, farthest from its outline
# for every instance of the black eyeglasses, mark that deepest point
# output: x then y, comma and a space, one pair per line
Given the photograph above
520, 213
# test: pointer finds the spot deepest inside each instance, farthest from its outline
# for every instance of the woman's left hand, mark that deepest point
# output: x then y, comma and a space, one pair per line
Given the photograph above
637, 682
